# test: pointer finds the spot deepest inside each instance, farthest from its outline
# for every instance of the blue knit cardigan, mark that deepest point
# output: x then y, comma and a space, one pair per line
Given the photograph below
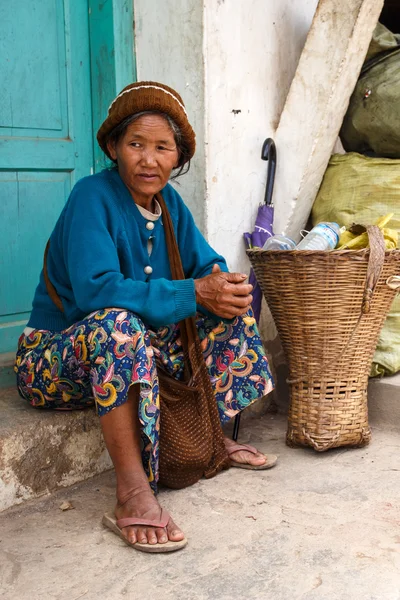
98, 254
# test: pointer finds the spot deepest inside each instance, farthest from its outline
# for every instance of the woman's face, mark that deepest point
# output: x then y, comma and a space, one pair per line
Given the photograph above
146, 155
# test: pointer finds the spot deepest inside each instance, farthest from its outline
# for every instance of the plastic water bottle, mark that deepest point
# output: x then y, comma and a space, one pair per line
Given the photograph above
323, 236
279, 242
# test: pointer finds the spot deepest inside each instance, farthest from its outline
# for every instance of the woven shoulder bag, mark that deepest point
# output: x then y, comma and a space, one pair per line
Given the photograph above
191, 438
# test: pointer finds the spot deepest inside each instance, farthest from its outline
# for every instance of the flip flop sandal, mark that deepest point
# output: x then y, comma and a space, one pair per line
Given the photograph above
269, 462
116, 526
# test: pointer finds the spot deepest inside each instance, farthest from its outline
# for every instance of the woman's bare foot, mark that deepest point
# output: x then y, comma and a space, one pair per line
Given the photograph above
121, 431
141, 503
244, 456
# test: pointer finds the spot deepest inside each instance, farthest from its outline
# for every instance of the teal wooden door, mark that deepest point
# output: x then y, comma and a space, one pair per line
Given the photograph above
46, 140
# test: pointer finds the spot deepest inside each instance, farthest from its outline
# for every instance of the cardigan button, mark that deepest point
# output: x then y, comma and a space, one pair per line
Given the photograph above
150, 225
148, 270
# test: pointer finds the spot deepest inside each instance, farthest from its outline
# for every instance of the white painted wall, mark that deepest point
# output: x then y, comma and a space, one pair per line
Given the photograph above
225, 55
169, 49
251, 53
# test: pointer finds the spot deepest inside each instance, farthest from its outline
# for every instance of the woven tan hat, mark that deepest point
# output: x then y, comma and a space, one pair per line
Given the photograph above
143, 96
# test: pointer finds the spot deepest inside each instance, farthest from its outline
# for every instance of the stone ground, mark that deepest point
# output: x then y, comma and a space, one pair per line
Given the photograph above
316, 527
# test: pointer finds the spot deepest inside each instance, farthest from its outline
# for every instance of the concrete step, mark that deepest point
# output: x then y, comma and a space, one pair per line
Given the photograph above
42, 450
7, 375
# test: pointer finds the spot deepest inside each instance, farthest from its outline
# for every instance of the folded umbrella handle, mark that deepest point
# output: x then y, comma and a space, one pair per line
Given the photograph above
268, 153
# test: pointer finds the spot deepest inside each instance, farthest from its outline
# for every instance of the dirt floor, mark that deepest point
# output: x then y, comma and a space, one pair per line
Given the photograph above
317, 526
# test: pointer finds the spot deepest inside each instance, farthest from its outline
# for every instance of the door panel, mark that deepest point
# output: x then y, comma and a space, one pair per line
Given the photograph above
34, 68
45, 138
26, 214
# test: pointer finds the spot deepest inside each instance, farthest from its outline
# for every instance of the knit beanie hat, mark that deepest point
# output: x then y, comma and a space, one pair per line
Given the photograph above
143, 96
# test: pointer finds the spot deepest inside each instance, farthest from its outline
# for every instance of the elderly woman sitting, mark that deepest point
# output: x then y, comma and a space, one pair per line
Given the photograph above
119, 308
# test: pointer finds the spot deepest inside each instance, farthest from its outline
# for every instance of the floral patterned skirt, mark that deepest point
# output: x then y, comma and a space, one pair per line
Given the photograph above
95, 361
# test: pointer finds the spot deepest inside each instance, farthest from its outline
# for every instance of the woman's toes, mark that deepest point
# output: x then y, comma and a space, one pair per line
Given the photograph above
141, 536
130, 534
162, 536
151, 536
174, 533
259, 459
245, 457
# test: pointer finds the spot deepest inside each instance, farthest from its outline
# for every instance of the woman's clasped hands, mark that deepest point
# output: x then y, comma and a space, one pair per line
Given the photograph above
224, 294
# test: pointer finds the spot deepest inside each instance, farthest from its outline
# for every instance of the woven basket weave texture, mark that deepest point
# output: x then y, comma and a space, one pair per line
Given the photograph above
316, 300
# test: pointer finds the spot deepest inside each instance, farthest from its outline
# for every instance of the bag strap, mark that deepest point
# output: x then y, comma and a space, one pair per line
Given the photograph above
172, 245
188, 328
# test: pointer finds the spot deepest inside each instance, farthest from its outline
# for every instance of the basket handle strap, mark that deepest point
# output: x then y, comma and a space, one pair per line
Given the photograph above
375, 264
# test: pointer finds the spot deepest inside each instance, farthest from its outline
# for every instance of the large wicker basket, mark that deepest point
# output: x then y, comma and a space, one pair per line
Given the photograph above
329, 308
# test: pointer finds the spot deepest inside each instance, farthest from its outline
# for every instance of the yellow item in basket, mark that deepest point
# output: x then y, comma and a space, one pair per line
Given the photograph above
356, 237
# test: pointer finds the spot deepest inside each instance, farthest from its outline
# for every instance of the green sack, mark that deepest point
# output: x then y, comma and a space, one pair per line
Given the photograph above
360, 189
387, 353
372, 124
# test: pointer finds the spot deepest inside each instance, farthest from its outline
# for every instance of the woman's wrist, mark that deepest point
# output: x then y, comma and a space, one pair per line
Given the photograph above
185, 298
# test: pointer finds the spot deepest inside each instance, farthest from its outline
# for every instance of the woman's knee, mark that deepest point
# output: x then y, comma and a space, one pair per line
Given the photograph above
118, 318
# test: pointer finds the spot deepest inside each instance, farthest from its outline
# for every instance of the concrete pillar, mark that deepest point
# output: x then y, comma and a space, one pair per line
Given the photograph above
317, 101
